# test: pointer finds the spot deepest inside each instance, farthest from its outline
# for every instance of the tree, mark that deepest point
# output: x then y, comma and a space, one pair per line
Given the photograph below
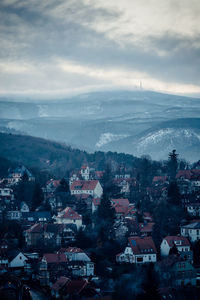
173, 250
174, 196
172, 164
105, 219
38, 196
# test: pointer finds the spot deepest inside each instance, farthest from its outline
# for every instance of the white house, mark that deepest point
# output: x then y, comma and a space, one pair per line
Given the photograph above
14, 215
139, 251
69, 216
24, 207
168, 242
192, 231
75, 254
16, 259
89, 187
85, 172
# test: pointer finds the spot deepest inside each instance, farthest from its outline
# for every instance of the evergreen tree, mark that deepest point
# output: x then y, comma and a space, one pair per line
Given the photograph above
174, 196
105, 219
173, 250
38, 196
172, 164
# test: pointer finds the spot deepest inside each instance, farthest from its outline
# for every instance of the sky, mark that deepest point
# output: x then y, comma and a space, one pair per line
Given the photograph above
53, 48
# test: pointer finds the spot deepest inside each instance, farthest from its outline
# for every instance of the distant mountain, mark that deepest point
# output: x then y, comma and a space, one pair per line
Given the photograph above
137, 122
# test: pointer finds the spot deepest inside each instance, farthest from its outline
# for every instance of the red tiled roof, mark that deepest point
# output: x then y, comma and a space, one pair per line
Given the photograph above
96, 201
120, 201
120, 209
159, 178
69, 213
60, 283
55, 183
188, 174
142, 245
36, 228
84, 185
74, 287
55, 258
172, 239
146, 227
74, 250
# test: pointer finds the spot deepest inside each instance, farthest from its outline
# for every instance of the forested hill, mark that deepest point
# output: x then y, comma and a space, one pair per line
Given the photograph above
54, 157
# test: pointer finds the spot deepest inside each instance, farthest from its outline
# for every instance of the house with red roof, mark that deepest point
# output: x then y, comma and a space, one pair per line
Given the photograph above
89, 187
140, 250
51, 266
69, 216
159, 179
72, 289
181, 242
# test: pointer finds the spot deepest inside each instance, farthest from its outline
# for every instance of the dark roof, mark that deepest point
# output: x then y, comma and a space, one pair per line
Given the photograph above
195, 225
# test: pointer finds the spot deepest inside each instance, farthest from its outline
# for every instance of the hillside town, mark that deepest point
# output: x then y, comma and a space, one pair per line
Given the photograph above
102, 234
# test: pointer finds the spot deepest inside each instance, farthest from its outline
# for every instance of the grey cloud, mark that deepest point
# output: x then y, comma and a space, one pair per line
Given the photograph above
37, 34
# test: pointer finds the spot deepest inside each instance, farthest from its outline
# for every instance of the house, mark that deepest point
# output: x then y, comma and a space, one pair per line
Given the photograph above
49, 234
89, 187
173, 271
121, 202
51, 186
182, 244
37, 216
14, 215
139, 251
73, 289
6, 194
69, 216
75, 254
17, 174
146, 228
121, 206
85, 172
194, 209
58, 287
16, 259
24, 207
51, 266
192, 231
81, 268
159, 180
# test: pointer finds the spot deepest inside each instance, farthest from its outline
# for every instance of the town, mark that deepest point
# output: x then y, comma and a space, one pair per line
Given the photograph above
122, 232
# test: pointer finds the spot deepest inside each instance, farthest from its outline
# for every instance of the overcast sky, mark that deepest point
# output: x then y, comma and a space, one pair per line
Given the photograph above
58, 47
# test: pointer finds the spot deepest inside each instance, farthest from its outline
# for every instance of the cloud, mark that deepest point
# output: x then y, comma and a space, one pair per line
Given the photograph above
57, 46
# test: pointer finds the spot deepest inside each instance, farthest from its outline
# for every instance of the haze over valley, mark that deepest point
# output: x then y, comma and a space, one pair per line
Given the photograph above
134, 122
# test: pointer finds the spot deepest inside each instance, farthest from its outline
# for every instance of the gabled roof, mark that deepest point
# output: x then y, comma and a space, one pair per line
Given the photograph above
121, 201
84, 185
55, 258
159, 179
60, 283
195, 225
74, 250
69, 213
75, 287
177, 240
148, 227
142, 245
188, 174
